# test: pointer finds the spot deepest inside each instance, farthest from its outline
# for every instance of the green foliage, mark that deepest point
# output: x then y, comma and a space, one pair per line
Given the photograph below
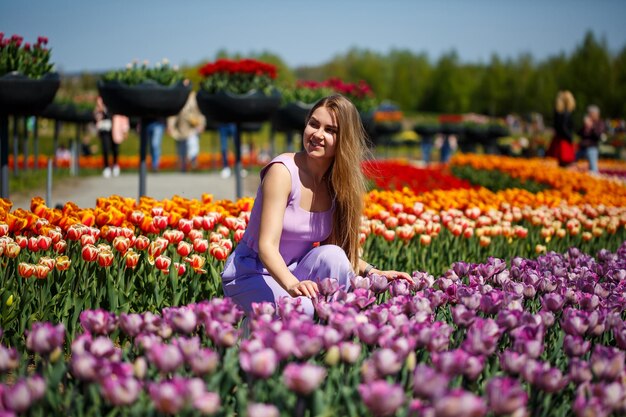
162, 73
32, 61
495, 180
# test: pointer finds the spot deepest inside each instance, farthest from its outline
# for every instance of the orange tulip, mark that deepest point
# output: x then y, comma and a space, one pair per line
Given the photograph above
63, 263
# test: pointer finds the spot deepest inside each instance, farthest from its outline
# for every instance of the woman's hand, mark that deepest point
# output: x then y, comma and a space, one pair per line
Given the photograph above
392, 275
304, 288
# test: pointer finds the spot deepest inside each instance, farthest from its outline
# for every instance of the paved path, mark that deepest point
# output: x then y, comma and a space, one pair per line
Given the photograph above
85, 190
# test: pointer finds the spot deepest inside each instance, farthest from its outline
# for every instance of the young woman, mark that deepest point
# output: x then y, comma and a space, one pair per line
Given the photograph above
312, 196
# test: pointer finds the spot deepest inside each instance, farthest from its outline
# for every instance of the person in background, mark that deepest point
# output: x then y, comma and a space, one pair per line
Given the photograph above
225, 130
104, 125
591, 134
189, 122
120, 125
155, 129
304, 225
562, 146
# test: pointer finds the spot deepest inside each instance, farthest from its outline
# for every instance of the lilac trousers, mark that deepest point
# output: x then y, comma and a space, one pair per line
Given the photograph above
246, 280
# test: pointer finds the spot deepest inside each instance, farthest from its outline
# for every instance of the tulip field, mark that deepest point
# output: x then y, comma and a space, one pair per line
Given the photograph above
517, 306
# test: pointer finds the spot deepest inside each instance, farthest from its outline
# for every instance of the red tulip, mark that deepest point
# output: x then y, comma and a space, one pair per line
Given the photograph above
25, 270
105, 258
183, 248
89, 253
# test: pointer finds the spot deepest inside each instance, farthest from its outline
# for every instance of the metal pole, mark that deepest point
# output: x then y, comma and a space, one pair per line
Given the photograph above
77, 150
49, 184
143, 151
25, 142
16, 145
4, 156
238, 182
36, 143
55, 140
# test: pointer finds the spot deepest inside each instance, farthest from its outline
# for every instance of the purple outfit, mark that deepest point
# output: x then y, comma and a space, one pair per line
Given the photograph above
246, 280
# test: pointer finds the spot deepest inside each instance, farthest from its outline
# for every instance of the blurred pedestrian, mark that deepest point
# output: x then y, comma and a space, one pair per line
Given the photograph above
188, 123
155, 129
562, 146
104, 125
591, 134
120, 125
226, 130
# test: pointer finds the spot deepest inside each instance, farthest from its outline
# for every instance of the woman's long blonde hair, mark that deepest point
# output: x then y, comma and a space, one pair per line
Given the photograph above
346, 180
565, 102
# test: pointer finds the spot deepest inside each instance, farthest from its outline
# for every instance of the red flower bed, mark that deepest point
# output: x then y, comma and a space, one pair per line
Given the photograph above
394, 175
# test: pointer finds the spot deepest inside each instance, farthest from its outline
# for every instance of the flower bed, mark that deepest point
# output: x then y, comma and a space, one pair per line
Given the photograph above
545, 336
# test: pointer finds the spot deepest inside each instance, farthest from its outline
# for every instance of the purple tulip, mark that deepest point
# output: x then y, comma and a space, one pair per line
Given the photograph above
262, 410
367, 333
168, 397
482, 337
18, 397
553, 302
207, 403
381, 398
43, 338
543, 376
182, 319
358, 281
103, 347
260, 363
505, 395
585, 404
145, 340
458, 362
84, 366
575, 322
304, 378
166, 358
188, 346
462, 316
98, 321
575, 345
513, 362
131, 324
607, 363
329, 286
460, 403
379, 284
399, 287
428, 383
387, 362
529, 340
151, 323
203, 362
349, 352
9, 358
579, 371
508, 319
223, 334
490, 303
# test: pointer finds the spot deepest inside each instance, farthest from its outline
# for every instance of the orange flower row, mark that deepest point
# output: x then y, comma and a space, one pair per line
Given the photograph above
568, 186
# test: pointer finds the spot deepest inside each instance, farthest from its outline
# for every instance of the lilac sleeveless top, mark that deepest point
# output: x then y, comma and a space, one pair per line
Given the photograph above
301, 228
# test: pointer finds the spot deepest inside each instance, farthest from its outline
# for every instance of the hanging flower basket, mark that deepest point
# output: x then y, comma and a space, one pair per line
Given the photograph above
67, 112
147, 99
24, 96
292, 116
225, 107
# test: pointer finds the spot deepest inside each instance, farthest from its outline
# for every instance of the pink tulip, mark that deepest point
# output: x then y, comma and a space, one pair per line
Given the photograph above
482, 337
513, 362
349, 351
183, 319
84, 366
387, 362
203, 362
329, 286
579, 371
9, 358
207, 403
575, 345
381, 398
18, 397
304, 378
462, 316
505, 395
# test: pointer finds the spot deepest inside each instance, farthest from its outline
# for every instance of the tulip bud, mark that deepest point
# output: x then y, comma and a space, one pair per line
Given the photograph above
332, 356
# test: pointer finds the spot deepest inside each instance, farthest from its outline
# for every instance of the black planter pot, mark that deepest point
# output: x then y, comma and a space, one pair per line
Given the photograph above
498, 131
67, 113
292, 116
426, 130
146, 100
223, 107
23, 96
451, 129
476, 133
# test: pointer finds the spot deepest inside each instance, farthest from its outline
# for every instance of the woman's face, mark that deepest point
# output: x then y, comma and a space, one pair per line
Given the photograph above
320, 134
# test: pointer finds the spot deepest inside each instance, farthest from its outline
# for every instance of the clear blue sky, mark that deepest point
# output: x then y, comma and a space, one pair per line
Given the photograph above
98, 35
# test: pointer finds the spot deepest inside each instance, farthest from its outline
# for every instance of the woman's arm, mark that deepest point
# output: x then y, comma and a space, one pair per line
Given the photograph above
276, 187
364, 269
